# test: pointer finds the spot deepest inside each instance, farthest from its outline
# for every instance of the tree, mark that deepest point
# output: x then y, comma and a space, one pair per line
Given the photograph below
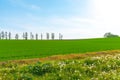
47, 36
31, 36
2, 35
60, 36
9, 35
110, 35
41, 36
6, 35
16, 36
52, 36
23, 35
26, 35
36, 36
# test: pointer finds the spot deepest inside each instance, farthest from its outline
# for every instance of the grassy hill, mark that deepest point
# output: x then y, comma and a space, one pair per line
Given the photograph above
21, 49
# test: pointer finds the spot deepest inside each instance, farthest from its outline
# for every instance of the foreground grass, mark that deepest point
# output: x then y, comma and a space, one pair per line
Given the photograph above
21, 49
102, 67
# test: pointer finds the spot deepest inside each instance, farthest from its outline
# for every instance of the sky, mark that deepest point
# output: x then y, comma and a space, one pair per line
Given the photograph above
75, 19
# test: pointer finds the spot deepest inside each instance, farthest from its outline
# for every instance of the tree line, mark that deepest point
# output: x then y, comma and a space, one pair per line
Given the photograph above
28, 36
110, 35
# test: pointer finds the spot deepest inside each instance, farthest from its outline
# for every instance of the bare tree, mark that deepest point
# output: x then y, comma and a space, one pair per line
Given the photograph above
31, 36
9, 35
47, 36
6, 36
16, 36
41, 36
23, 35
2, 35
60, 36
26, 35
52, 36
36, 36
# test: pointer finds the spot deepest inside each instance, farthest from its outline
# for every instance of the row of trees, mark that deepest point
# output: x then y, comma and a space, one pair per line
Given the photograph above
26, 36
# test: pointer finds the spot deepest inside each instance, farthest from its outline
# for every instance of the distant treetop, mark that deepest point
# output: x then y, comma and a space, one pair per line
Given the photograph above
110, 35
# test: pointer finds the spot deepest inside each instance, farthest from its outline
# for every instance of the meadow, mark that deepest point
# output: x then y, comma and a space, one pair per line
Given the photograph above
24, 49
84, 59
96, 67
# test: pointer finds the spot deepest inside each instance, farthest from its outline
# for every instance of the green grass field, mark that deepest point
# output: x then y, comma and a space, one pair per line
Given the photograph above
21, 49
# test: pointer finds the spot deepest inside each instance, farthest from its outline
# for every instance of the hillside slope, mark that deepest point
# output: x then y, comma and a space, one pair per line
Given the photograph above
21, 49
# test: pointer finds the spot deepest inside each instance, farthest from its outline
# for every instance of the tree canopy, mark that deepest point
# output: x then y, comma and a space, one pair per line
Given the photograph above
110, 35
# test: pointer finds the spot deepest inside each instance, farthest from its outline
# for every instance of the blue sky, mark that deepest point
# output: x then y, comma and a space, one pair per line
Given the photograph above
43, 8
72, 18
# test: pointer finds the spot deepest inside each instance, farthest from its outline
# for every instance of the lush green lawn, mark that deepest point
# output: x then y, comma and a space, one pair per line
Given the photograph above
20, 49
